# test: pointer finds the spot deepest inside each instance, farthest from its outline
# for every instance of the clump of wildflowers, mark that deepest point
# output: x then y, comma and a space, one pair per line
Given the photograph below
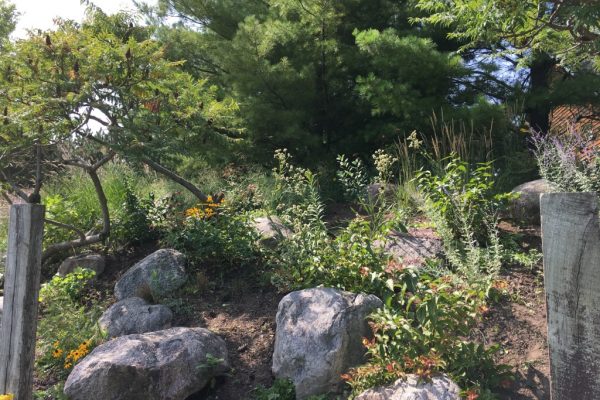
205, 210
70, 358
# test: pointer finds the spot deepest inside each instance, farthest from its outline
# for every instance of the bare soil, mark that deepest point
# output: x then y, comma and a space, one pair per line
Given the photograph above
518, 324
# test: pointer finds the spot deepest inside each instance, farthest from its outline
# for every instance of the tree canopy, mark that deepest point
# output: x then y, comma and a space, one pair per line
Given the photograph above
80, 95
320, 76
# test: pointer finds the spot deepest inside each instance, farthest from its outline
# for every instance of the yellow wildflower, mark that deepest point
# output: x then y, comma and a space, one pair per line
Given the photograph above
8, 396
68, 365
57, 353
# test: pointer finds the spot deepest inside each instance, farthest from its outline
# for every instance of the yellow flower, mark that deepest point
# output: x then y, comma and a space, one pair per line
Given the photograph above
57, 353
209, 199
8, 396
68, 365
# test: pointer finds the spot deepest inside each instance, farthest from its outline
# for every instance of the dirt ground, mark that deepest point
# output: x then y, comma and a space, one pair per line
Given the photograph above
518, 324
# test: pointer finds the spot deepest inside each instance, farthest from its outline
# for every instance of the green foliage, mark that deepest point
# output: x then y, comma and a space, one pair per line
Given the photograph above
322, 77
8, 20
141, 220
567, 30
462, 193
571, 162
353, 177
68, 328
219, 239
462, 204
282, 389
423, 330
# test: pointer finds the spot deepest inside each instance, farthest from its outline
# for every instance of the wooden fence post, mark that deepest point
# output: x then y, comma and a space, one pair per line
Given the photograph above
571, 246
21, 291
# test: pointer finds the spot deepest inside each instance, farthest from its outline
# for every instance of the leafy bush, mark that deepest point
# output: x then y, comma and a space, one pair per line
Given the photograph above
423, 330
140, 220
211, 234
463, 206
68, 328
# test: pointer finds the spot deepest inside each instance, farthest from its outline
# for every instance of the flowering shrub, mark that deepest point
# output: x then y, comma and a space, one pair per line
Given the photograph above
205, 210
212, 234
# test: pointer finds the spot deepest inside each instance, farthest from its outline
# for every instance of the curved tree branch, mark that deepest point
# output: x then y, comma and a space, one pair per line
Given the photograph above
66, 226
176, 178
86, 240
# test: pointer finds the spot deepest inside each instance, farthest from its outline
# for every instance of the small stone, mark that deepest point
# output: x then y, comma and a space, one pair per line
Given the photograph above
409, 249
271, 230
440, 388
94, 262
135, 315
153, 278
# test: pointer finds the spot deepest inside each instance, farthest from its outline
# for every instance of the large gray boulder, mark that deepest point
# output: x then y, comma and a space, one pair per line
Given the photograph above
409, 249
440, 388
153, 278
94, 262
135, 315
271, 230
319, 337
526, 207
164, 365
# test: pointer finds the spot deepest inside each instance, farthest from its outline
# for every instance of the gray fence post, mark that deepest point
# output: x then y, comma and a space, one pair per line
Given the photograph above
571, 247
21, 291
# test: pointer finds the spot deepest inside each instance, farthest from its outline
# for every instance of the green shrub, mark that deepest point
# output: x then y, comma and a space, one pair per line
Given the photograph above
68, 328
424, 331
353, 177
211, 234
463, 206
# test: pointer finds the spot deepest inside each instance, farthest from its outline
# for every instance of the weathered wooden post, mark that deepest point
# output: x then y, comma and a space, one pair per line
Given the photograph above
571, 246
21, 290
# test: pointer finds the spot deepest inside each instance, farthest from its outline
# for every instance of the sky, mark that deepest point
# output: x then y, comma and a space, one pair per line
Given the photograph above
40, 13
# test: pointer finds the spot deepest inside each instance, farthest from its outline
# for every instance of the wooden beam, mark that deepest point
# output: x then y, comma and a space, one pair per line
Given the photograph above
571, 246
21, 291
